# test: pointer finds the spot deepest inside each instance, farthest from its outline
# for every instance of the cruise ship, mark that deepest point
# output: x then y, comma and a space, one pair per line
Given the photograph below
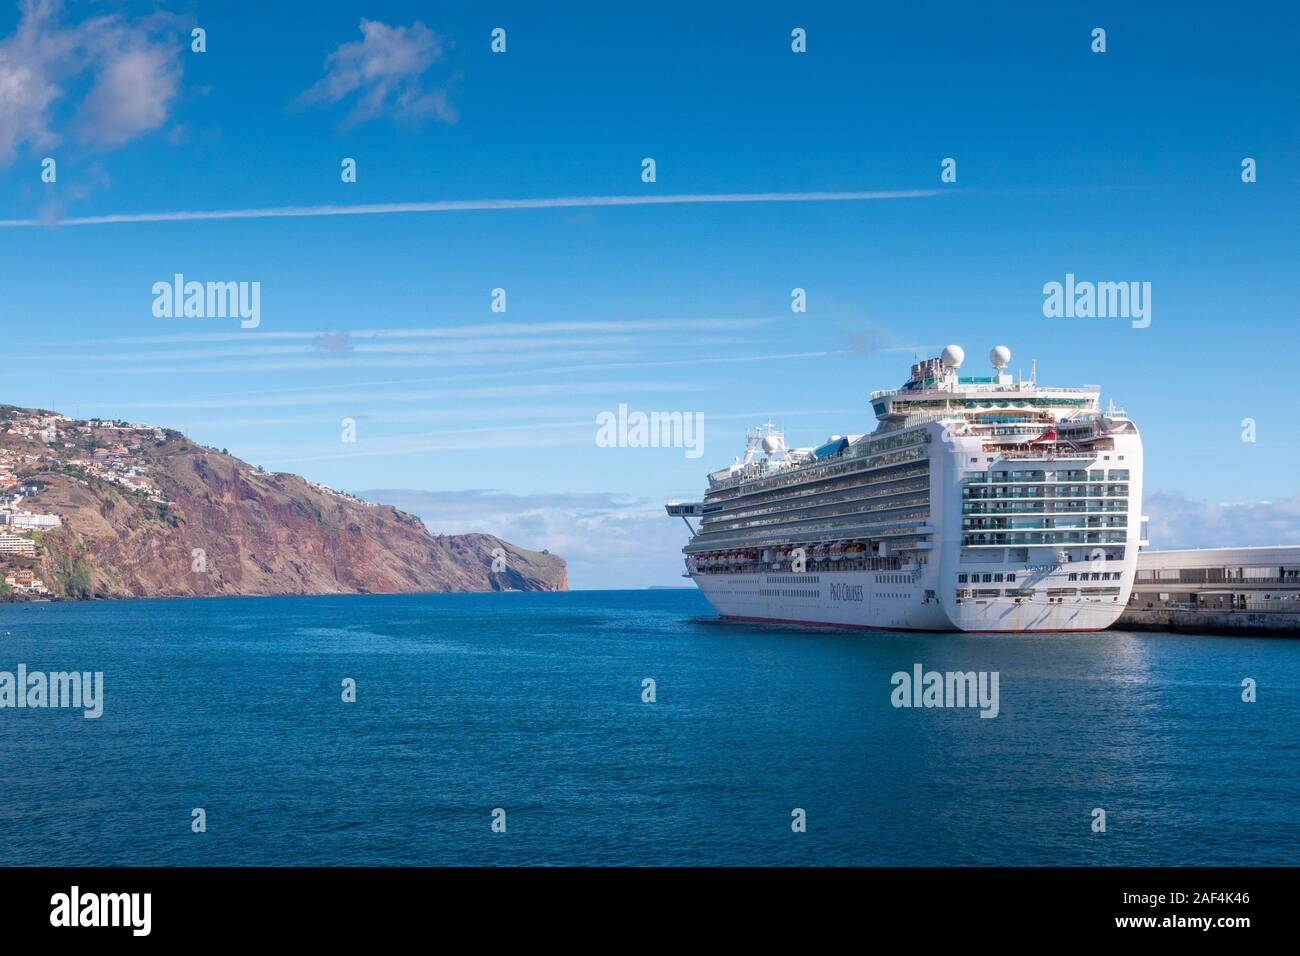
978, 503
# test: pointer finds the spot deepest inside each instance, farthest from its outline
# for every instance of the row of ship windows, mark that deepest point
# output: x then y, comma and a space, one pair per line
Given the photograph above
1055, 504
895, 525
800, 475
1097, 474
1043, 537
1021, 555
919, 506
790, 515
1051, 592
1037, 505
751, 496
1013, 492
1076, 474
792, 502
791, 579
778, 592
1053, 520
803, 525
994, 578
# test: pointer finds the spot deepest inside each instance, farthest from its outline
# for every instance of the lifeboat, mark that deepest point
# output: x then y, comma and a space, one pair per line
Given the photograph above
836, 552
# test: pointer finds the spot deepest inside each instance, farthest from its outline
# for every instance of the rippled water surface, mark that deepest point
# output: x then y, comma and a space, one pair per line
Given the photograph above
533, 703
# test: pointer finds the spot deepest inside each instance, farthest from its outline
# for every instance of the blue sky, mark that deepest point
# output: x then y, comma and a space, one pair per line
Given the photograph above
1120, 166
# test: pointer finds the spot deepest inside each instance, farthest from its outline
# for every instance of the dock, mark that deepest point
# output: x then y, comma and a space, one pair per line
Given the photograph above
1216, 590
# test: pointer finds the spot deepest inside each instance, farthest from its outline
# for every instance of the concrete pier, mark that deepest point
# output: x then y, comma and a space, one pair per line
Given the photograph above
1216, 591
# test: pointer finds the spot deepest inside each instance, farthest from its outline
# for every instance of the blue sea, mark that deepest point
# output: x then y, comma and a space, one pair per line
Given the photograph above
532, 703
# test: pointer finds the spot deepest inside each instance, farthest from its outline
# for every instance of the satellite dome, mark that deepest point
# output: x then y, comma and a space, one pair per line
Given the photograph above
953, 356
771, 444
1000, 356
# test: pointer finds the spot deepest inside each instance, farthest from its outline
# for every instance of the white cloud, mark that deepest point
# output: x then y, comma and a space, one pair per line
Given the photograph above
474, 205
1180, 522
473, 330
132, 95
134, 78
28, 86
384, 72
316, 395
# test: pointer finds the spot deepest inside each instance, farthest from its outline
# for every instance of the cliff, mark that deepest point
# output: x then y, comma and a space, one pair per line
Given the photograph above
146, 512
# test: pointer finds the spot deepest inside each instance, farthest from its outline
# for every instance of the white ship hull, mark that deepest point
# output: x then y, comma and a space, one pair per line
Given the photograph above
855, 600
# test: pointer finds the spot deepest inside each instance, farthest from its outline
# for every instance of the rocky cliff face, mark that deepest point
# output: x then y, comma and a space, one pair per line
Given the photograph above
163, 516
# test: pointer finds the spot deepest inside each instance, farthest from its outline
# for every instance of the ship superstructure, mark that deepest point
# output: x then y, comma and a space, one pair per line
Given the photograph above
981, 503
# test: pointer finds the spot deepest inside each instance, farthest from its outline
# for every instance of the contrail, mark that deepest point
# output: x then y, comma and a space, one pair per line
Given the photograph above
465, 205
